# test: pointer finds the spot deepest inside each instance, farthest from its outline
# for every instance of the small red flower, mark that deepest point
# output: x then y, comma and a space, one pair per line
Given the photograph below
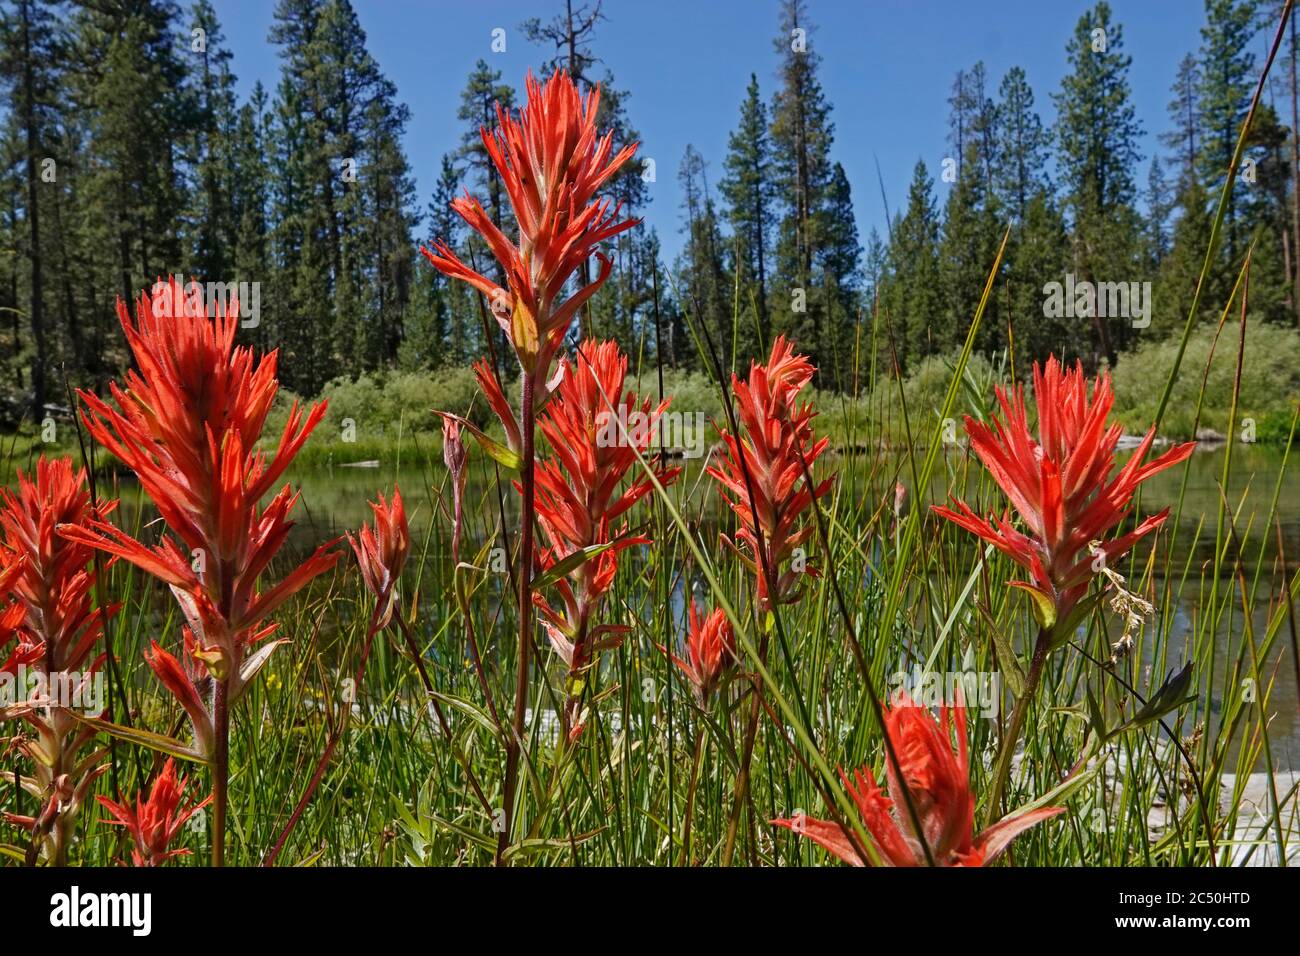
155, 822
453, 455
552, 162
938, 782
382, 552
1061, 484
710, 651
769, 461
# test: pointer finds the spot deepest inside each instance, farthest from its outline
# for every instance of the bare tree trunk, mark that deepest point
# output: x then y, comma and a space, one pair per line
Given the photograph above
1295, 184
36, 310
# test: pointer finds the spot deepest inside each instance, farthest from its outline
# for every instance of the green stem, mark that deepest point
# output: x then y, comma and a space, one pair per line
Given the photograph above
685, 858
1007, 748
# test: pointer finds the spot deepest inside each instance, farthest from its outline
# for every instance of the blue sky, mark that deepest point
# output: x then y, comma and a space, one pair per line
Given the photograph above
887, 68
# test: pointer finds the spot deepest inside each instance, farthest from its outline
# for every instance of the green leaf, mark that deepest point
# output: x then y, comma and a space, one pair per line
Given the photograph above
481, 840
145, 738
257, 660
1095, 716
1064, 629
1044, 607
498, 452
570, 563
534, 846
311, 860
13, 852
1173, 693
479, 715
1013, 675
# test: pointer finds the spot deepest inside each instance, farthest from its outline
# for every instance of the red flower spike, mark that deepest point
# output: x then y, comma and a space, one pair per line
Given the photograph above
938, 782
47, 575
155, 822
552, 162
382, 552
710, 651
55, 629
1060, 484
188, 424
595, 430
776, 445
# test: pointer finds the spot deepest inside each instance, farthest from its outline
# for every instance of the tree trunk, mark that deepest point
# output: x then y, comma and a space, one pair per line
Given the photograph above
36, 310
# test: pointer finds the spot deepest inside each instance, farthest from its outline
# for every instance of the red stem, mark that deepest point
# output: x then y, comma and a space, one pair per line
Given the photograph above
220, 769
514, 742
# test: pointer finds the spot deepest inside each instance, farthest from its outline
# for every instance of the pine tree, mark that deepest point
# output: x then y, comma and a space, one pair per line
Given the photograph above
387, 203
1159, 203
1179, 272
1096, 136
304, 232
748, 190
569, 35
702, 279
1038, 253
801, 136
1022, 149
1185, 138
344, 200
875, 265
249, 195
442, 329
618, 309
212, 99
912, 304
967, 248
1227, 80
483, 93
28, 52
1097, 126
839, 263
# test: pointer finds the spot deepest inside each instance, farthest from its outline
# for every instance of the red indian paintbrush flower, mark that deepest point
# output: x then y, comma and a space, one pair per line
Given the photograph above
595, 430
58, 633
710, 650
1061, 485
382, 552
769, 460
938, 782
454, 457
155, 822
552, 162
188, 423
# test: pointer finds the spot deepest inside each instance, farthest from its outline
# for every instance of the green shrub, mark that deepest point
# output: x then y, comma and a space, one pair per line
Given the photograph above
1270, 382
373, 410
